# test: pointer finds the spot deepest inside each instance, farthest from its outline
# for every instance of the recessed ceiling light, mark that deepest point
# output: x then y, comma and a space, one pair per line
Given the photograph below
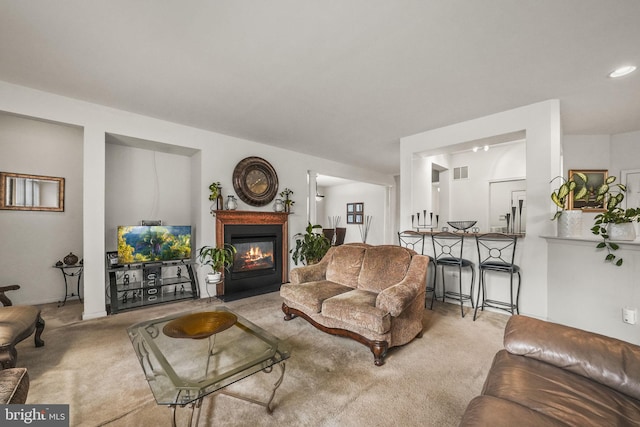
622, 71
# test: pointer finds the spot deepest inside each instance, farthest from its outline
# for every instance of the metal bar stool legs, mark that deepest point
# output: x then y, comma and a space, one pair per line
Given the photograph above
513, 308
496, 252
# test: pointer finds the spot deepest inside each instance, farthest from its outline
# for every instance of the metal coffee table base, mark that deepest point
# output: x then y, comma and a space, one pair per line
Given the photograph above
196, 406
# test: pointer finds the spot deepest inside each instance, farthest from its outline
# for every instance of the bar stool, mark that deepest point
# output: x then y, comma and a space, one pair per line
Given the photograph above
447, 250
496, 252
415, 241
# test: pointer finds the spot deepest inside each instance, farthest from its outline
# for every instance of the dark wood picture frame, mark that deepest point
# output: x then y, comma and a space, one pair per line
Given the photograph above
595, 178
355, 213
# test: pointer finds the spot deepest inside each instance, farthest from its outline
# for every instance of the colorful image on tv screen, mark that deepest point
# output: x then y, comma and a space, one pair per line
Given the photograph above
141, 243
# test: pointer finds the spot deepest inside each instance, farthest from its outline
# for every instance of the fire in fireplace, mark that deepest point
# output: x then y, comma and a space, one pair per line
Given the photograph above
253, 256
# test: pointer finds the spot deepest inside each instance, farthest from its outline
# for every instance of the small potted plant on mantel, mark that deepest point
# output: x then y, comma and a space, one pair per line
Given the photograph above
218, 258
310, 246
288, 203
616, 223
569, 221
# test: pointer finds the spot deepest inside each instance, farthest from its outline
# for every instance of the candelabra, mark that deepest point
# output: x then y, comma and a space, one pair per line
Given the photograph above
424, 224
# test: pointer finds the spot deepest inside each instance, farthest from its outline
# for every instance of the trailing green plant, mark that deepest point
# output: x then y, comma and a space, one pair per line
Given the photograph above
218, 258
613, 195
215, 190
568, 187
310, 246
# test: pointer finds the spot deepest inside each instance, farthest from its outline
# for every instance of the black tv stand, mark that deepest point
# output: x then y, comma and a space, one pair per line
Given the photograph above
140, 285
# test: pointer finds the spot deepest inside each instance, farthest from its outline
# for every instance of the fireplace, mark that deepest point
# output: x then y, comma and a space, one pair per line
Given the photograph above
260, 264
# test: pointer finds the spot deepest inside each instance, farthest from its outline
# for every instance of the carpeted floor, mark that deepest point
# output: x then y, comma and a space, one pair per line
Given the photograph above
329, 381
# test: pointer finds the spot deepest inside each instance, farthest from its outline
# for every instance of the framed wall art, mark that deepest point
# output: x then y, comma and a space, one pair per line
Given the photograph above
355, 213
595, 178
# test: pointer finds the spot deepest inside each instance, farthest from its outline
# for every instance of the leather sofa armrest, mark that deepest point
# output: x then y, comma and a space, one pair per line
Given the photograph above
608, 361
396, 298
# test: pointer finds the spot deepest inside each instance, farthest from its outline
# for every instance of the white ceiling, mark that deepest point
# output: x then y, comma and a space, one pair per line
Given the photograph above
338, 79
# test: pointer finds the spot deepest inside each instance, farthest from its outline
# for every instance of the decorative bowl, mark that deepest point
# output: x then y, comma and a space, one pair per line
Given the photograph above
199, 325
461, 225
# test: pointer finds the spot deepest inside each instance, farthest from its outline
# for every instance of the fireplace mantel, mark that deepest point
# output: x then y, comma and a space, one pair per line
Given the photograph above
235, 217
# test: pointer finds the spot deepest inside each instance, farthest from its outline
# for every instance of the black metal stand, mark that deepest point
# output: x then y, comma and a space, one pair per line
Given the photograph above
77, 273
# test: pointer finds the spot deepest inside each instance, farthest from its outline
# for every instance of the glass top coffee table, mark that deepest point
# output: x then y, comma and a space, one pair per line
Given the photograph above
188, 356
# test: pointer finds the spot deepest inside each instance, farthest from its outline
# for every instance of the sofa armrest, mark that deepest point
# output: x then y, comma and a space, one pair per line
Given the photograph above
396, 298
608, 361
308, 273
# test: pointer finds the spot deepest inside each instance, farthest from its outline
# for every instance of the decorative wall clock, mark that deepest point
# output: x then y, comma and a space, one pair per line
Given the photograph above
255, 181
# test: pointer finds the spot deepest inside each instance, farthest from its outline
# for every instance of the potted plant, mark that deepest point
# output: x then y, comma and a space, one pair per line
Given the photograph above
216, 196
310, 246
616, 223
218, 258
288, 203
569, 221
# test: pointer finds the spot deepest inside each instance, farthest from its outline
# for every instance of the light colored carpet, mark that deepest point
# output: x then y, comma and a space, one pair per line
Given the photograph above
329, 381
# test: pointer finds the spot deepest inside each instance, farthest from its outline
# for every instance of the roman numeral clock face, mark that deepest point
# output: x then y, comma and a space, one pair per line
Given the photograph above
255, 181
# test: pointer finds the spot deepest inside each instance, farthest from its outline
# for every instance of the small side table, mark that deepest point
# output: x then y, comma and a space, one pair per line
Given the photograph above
70, 271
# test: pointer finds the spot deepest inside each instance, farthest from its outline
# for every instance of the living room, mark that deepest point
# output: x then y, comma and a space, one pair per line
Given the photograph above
122, 164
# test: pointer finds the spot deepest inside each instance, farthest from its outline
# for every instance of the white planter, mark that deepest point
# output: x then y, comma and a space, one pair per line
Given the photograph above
213, 277
570, 224
625, 231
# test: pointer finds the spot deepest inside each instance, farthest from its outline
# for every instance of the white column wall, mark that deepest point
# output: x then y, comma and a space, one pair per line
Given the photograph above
541, 122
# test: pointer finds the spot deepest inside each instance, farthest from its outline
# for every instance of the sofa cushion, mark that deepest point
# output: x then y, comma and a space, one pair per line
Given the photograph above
311, 295
384, 266
490, 411
603, 359
16, 323
344, 266
358, 307
558, 393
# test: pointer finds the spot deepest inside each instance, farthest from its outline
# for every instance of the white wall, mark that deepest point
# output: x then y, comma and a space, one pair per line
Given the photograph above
592, 296
145, 185
469, 198
373, 196
625, 152
32, 242
215, 158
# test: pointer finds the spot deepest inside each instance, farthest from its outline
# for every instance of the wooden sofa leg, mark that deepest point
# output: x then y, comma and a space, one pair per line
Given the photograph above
379, 350
39, 329
288, 315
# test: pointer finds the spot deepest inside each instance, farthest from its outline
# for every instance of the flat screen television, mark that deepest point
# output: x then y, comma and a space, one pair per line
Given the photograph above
150, 243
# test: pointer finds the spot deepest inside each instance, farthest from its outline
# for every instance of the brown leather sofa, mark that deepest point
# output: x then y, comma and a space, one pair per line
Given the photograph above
372, 294
555, 375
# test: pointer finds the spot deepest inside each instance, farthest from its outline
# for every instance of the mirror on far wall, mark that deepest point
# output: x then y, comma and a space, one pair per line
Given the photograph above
22, 192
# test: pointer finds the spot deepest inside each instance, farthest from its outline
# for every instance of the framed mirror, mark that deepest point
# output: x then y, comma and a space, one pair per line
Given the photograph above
22, 192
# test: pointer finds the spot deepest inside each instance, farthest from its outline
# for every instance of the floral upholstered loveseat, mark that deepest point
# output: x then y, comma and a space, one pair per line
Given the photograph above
372, 294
